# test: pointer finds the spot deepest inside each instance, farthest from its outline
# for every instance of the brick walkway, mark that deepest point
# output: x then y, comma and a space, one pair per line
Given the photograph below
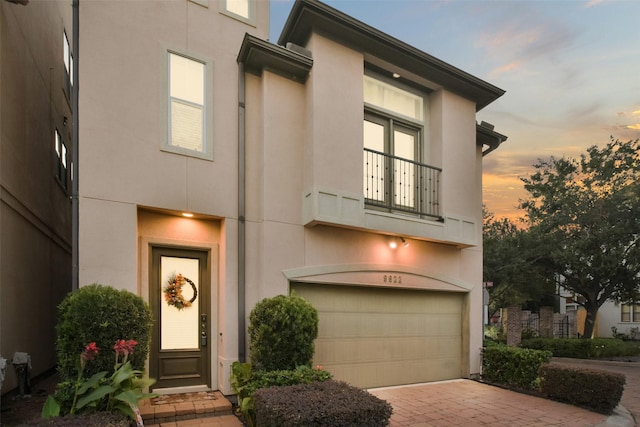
470, 403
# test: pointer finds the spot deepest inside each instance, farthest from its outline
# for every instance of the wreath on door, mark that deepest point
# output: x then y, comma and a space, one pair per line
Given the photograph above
173, 292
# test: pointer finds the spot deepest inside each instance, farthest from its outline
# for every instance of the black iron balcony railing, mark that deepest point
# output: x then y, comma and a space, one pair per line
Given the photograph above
402, 185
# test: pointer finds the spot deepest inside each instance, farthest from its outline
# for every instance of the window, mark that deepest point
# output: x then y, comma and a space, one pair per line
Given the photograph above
61, 163
243, 10
68, 64
187, 106
630, 312
394, 177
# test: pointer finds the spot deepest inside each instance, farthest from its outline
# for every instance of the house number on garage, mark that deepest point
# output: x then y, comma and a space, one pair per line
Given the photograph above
391, 278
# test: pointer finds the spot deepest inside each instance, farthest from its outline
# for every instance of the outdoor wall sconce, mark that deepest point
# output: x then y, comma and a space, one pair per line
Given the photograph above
394, 243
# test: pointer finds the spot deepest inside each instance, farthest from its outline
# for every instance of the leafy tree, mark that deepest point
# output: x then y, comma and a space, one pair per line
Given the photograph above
585, 213
514, 263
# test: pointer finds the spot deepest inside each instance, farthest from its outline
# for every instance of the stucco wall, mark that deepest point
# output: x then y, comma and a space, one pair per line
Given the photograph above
312, 137
35, 209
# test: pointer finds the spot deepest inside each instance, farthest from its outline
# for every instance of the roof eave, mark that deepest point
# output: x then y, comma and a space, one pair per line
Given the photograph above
309, 16
257, 55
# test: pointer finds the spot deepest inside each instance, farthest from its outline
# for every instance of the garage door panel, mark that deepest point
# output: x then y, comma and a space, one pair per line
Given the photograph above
337, 324
392, 373
372, 337
374, 350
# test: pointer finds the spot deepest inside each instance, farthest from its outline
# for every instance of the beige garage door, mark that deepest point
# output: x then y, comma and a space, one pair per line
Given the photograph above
375, 337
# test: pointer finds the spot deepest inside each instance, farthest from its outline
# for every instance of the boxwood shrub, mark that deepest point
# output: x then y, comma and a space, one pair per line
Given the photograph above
320, 404
100, 314
517, 367
592, 389
282, 330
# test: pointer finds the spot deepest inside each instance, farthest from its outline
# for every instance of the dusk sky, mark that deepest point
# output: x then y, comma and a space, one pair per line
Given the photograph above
571, 70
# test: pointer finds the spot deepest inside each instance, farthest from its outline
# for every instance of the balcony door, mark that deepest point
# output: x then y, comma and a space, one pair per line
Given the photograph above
392, 150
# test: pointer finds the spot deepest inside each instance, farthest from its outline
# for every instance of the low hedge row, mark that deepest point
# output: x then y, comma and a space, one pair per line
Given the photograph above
577, 348
320, 404
595, 390
513, 366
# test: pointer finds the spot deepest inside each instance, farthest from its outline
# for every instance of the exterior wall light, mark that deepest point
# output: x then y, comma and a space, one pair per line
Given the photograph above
393, 244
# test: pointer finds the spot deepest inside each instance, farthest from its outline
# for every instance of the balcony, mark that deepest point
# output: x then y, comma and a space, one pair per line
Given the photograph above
395, 184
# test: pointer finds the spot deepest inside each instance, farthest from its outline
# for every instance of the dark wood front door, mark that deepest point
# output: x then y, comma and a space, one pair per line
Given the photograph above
180, 300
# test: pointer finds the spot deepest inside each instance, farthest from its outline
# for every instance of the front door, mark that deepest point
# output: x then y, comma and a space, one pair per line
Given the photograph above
180, 300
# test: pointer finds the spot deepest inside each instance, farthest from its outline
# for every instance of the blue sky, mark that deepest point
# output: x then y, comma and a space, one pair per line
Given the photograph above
571, 70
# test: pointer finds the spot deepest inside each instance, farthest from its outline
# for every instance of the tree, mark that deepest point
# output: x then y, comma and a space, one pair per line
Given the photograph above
586, 214
512, 261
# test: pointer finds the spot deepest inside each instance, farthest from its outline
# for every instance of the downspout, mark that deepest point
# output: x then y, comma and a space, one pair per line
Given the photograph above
75, 207
241, 215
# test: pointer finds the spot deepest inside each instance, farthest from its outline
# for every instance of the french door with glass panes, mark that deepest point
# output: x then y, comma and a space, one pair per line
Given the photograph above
392, 149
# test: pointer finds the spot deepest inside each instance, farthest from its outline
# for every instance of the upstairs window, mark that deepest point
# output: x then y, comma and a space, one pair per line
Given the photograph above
68, 64
61, 160
187, 106
243, 10
630, 312
395, 178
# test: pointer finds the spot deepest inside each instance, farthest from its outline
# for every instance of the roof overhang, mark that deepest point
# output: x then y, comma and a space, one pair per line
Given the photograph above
308, 16
257, 55
487, 137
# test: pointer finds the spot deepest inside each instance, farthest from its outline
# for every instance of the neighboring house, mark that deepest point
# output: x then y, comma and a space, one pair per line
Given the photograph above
36, 90
625, 318
342, 164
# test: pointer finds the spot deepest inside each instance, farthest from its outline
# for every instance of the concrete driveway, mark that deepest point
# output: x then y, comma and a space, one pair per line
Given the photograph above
470, 403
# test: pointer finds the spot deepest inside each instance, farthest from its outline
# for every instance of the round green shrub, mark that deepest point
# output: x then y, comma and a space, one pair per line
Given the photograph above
101, 314
281, 333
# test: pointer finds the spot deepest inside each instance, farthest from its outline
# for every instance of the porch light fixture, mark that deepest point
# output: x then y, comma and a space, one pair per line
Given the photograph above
393, 244
187, 214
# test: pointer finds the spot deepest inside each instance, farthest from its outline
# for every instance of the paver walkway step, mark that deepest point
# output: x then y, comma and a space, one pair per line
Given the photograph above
207, 408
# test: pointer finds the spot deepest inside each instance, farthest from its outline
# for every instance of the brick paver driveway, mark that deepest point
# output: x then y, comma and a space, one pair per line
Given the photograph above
470, 403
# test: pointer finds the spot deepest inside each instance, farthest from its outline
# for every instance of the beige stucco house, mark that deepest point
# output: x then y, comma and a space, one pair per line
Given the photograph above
340, 163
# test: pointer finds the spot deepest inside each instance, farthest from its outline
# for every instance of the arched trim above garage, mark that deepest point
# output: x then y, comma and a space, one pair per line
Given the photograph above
381, 275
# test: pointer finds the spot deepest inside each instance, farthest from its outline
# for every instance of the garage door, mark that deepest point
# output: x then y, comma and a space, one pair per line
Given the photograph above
375, 337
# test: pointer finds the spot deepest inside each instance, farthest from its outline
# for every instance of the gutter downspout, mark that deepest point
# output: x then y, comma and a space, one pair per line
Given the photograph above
241, 215
75, 206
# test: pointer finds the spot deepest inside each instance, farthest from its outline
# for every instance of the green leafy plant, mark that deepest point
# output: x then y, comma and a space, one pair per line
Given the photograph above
579, 348
241, 384
282, 331
513, 366
100, 314
245, 381
120, 392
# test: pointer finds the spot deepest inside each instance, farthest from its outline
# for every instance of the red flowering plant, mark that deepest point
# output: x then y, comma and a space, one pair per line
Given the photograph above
120, 392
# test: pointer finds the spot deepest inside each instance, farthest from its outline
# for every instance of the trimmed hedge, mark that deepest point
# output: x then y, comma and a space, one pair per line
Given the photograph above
578, 348
595, 390
245, 381
320, 404
513, 366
